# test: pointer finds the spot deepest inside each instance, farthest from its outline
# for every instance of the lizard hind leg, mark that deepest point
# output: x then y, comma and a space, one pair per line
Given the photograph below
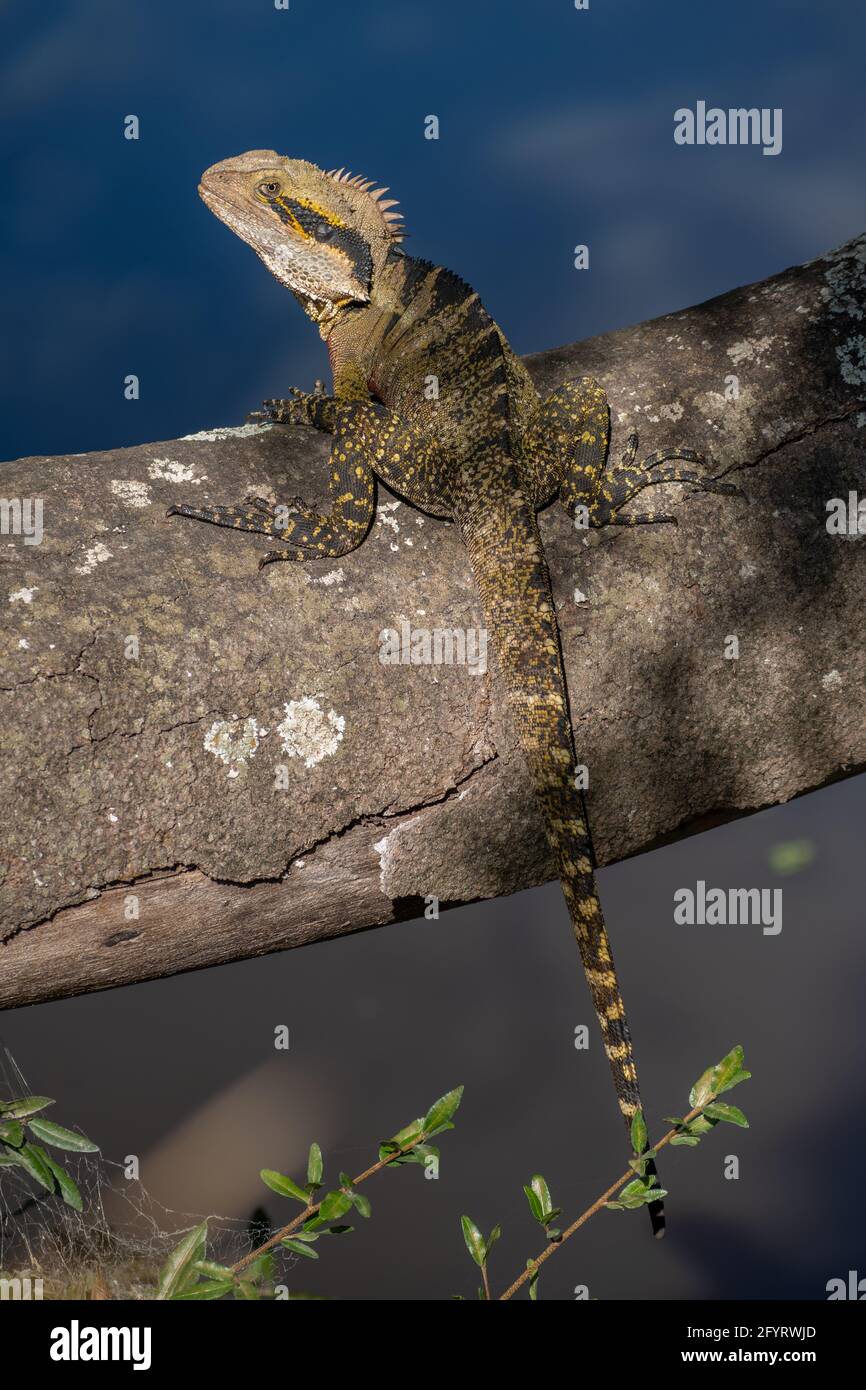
565, 447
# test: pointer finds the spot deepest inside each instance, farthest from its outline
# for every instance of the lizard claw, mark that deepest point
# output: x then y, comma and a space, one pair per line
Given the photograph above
261, 504
726, 489
272, 555
291, 411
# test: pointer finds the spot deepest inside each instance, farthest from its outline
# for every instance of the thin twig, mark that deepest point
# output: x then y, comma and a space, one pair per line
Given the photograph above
598, 1204
311, 1210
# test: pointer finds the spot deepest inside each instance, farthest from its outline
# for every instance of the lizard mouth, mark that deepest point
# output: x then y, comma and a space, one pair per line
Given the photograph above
209, 195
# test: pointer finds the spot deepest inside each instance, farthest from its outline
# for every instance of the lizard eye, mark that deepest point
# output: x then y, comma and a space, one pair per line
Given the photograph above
269, 188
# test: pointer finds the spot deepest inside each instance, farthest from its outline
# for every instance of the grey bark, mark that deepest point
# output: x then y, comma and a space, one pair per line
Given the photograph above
146, 829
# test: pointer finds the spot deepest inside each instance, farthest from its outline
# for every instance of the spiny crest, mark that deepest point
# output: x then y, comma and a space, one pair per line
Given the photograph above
385, 206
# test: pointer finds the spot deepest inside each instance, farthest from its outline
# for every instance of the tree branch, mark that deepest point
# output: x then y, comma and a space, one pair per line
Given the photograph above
154, 683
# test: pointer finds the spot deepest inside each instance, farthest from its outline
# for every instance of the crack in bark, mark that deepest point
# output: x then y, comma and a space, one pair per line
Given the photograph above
56, 675
807, 432
176, 870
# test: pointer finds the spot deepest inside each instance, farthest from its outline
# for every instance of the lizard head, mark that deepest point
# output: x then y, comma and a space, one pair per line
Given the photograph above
323, 235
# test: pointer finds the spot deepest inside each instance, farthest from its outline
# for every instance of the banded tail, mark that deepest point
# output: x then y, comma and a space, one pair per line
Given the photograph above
507, 557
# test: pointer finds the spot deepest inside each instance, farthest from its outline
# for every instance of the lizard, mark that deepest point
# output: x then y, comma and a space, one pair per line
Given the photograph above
429, 398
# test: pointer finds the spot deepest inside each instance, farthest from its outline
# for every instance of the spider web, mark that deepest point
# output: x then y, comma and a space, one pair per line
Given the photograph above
114, 1247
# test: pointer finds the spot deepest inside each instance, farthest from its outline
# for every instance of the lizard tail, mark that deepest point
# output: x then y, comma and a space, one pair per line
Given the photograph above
507, 557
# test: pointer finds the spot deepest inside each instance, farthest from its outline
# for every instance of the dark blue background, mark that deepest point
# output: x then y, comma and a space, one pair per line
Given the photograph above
556, 128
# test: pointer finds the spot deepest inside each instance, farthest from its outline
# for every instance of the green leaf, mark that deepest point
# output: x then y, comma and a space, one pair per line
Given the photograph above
491, 1240
631, 1189
278, 1182
300, 1249
245, 1288
533, 1279
315, 1166
690, 1140
702, 1089
35, 1160
638, 1194
474, 1240
409, 1134
614, 1206
12, 1132
719, 1110
26, 1105
338, 1230
215, 1270
179, 1266
726, 1070
205, 1289
68, 1190
638, 1132
534, 1205
700, 1124
741, 1075
335, 1204
542, 1192
60, 1138
653, 1194
419, 1154
359, 1202
442, 1111
362, 1205
263, 1267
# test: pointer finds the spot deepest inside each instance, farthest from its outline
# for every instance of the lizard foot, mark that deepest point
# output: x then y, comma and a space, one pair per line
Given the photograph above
298, 408
655, 473
254, 514
626, 479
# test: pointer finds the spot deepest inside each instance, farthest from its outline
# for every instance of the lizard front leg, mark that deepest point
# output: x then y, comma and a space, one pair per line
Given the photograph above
303, 533
403, 456
316, 408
